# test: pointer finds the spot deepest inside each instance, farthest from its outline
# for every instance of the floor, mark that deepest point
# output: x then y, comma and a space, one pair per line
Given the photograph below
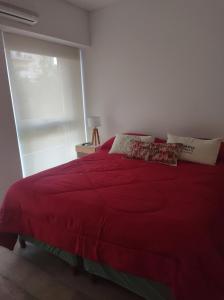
32, 274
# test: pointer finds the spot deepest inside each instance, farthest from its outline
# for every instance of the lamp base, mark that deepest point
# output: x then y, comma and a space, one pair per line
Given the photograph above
95, 137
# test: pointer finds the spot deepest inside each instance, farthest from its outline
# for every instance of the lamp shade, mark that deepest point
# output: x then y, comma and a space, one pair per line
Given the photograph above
93, 122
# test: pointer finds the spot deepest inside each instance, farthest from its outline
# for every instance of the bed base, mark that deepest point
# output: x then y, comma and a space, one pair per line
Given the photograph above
22, 242
76, 269
147, 289
79, 267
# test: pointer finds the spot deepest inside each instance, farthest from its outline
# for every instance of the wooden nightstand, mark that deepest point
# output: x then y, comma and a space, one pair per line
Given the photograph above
85, 150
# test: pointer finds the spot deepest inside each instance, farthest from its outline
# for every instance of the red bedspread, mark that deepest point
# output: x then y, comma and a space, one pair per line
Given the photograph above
151, 220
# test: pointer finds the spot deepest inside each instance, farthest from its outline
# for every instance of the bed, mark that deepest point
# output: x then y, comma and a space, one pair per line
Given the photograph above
161, 223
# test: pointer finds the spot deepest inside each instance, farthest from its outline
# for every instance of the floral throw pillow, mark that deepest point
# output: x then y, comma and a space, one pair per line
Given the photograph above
122, 142
155, 152
138, 150
165, 153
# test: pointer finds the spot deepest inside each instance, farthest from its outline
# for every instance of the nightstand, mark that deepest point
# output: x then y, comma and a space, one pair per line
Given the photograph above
85, 150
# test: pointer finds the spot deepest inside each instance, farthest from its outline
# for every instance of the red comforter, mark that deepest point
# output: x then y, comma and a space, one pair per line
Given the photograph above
160, 222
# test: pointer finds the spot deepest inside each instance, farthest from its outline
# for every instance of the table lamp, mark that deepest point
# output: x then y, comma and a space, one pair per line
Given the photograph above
94, 122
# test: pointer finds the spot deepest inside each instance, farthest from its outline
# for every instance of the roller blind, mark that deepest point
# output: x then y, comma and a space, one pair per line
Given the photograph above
45, 80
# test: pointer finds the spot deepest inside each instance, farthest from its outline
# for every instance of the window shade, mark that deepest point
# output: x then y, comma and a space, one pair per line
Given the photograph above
45, 81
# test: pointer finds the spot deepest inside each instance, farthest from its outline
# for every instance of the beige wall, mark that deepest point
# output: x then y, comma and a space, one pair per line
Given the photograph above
158, 66
10, 168
59, 21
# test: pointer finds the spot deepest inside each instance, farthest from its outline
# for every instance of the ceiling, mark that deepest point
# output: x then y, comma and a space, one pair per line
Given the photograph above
92, 4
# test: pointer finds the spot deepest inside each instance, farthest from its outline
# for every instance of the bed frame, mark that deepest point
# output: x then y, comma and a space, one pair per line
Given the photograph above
149, 290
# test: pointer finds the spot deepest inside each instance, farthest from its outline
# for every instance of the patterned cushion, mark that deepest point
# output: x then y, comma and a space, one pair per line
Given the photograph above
157, 152
197, 150
138, 150
165, 153
122, 142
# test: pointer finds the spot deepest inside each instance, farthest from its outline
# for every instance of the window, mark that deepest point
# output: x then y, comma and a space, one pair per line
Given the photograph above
45, 80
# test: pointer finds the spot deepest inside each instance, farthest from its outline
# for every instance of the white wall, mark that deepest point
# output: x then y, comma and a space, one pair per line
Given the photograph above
59, 21
158, 66
10, 168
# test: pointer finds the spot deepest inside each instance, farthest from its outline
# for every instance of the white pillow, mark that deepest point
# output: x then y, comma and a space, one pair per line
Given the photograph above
122, 142
197, 150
